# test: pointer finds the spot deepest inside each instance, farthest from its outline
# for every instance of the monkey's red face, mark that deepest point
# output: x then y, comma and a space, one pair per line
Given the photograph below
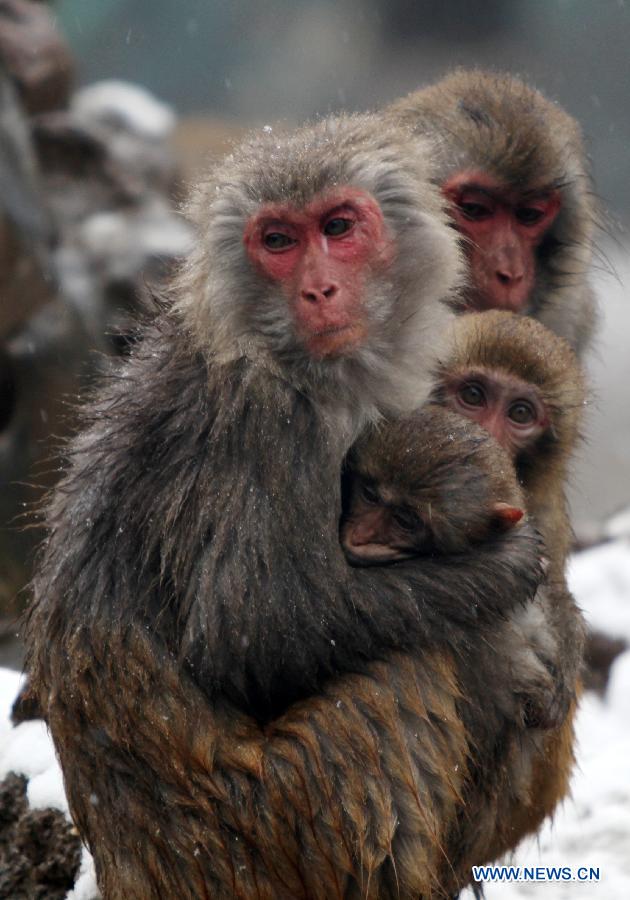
505, 228
510, 409
322, 257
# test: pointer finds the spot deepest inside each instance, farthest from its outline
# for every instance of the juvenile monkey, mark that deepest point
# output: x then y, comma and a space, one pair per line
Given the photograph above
238, 712
523, 384
435, 485
513, 168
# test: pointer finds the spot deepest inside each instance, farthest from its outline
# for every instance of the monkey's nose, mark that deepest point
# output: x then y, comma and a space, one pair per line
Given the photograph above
319, 295
509, 268
508, 278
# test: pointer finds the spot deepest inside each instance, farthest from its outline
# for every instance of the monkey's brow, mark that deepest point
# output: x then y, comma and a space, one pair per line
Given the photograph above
478, 188
534, 193
540, 192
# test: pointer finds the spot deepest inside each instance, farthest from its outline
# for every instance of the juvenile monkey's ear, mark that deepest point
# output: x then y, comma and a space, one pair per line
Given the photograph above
507, 516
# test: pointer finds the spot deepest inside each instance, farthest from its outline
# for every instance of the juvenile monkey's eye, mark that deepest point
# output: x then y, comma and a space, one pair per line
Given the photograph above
369, 493
522, 412
276, 240
472, 394
337, 226
529, 215
407, 519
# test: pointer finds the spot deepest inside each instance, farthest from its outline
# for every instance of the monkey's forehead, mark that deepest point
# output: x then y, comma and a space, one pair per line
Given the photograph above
517, 344
500, 123
360, 151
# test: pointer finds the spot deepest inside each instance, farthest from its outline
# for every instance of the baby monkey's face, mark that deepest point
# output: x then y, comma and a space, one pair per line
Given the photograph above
430, 484
382, 526
384, 523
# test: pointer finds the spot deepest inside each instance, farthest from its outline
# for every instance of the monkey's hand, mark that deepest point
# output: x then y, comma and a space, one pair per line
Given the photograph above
543, 689
558, 644
547, 705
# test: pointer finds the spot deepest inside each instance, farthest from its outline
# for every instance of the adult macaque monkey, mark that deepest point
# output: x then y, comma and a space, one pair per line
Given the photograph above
513, 167
523, 384
192, 588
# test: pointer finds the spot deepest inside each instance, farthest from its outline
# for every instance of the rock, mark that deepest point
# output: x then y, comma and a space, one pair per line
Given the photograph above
35, 55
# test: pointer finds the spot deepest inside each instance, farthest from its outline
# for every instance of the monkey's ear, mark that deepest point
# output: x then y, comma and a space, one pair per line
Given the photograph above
507, 516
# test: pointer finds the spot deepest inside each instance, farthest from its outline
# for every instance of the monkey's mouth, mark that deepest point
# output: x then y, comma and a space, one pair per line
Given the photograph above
334, 340
515, 300
374, 554
333, 329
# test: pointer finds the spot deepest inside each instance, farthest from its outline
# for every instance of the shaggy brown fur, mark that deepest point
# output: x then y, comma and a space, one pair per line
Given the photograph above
537, 768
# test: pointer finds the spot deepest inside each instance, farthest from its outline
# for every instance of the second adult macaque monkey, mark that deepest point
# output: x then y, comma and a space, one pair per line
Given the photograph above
523, 384
513, 167
238, 712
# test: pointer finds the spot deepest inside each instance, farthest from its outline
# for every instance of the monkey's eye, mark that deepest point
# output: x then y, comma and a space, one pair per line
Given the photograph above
529, 215
276, 241
407, 519
369, 493
337, 226
522, 413
474, 210
472, 394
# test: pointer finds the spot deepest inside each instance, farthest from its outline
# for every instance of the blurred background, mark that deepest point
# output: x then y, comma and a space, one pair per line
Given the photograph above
110, 107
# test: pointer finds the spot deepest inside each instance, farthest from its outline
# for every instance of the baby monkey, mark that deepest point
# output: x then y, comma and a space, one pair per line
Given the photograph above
435, 484
428, 485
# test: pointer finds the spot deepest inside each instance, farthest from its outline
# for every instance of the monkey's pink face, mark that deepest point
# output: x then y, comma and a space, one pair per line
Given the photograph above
510, 409
322, 257
504, 228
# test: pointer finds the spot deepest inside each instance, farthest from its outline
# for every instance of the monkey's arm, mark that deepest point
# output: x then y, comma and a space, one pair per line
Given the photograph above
457, 591
175, 512
178, 797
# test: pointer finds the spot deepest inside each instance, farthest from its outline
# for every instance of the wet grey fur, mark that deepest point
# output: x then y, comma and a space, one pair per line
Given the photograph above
202, 499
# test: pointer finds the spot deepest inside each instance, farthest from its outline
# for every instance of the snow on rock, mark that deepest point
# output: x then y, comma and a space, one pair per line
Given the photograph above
46, 789
131, 106
619, 690
85, 887
28, 750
